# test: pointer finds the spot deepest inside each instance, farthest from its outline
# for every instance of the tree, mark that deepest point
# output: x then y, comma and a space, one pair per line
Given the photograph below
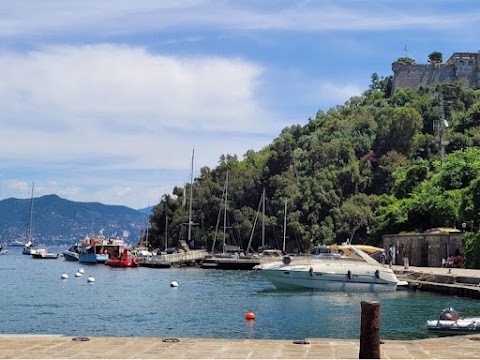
406, 61
435, 57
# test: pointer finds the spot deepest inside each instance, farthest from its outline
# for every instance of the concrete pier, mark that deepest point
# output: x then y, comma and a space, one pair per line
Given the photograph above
449, 281
63, 347
183, 258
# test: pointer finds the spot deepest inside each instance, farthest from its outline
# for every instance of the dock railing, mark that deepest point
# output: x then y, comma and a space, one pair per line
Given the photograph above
176, 258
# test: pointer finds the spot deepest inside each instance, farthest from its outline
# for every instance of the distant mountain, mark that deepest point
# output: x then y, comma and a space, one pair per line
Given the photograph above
147, 210
60, 221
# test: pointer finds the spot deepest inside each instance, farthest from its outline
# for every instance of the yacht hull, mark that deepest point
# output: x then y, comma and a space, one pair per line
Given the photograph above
70, 255
330, 273
229, 263
291, 279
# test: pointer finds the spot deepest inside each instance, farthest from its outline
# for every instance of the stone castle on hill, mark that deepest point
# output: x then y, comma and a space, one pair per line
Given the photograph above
462, 67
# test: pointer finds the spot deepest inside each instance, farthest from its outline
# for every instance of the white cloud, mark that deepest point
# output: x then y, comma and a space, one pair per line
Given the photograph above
90, 109
121, 100
336, 93
53, 17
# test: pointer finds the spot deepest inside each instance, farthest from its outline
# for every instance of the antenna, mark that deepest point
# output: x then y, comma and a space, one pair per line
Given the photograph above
190, 202
440, 126
285, 226
263, 218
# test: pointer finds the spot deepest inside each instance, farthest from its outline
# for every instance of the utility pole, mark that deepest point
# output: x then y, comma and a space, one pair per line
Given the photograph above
440, 125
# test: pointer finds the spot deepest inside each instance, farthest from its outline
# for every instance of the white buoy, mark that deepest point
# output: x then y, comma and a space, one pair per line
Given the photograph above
91, 279
78, 274
81, 271
64, 276
174, 284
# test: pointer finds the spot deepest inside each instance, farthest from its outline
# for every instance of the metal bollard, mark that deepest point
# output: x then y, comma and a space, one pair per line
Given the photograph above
370, 330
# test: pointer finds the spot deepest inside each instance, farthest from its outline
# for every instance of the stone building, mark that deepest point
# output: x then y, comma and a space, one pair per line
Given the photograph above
424, 249
462, 67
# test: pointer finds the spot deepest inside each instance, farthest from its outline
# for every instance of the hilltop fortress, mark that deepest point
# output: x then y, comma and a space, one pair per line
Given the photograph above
461, 67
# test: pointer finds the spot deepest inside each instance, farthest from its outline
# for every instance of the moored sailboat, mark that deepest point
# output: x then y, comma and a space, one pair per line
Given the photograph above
29, 248
232, 257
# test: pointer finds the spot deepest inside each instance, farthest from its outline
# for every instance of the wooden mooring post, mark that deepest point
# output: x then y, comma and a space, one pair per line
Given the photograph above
370, 330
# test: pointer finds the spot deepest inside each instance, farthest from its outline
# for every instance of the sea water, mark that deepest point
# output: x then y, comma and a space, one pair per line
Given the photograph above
34, 299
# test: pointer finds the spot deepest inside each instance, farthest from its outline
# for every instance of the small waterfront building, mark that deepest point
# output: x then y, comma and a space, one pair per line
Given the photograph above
424, 249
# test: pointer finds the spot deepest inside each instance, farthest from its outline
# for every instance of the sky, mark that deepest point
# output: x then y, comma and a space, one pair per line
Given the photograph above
105, 101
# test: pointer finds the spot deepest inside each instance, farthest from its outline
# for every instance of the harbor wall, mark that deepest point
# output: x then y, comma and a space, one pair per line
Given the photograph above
423, 249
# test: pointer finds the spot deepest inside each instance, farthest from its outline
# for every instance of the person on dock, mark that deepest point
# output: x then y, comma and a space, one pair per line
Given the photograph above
457, 259
405, 260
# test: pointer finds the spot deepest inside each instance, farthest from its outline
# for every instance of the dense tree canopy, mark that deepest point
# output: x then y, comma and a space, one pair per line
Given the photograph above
360, 170
435, 57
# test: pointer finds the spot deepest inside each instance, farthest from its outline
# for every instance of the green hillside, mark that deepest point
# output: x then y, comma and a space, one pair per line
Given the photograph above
369, 167
59, 221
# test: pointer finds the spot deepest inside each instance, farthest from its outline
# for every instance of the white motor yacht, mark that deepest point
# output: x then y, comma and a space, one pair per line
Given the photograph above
331, 270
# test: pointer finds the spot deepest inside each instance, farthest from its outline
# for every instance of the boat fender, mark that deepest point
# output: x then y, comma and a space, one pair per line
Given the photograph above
349, 275
377, 274
310, 271
286, 260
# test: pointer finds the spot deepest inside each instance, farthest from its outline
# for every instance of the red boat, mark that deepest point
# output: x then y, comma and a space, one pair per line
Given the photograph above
123, 261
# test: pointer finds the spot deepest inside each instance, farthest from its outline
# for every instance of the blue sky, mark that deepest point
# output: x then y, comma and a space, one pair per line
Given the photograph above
105, 100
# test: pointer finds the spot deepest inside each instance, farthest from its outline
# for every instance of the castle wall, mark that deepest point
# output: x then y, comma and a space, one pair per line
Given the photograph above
427, 75
461, 67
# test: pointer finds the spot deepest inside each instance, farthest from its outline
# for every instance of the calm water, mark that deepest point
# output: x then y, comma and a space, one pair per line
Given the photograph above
208, 303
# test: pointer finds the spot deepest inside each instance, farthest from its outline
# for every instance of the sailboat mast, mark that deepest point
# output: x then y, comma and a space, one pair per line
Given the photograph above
285, 226
225, 213
166, 232
30, 224
190, 205
263, 219
146, 235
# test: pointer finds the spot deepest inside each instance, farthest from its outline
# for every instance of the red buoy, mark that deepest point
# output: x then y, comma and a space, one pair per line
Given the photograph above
250, 316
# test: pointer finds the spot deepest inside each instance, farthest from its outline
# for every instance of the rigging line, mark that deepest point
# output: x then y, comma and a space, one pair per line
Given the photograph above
249, 246
217, 226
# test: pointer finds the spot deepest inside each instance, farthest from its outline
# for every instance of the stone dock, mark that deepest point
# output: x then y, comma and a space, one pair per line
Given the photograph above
449, 281
63, 347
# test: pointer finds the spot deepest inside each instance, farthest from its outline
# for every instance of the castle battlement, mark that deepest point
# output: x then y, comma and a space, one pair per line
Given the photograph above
462, 67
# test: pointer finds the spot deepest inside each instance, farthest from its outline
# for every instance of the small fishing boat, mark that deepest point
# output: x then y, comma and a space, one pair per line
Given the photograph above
123, 261
2, 250
100, 249
44, 254
450, 323
72, 254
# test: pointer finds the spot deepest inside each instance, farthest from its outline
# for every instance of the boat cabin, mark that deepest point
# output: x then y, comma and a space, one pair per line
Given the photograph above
325, 251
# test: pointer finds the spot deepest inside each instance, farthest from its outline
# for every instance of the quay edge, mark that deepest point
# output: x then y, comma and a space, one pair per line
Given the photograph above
449, 281
57, 346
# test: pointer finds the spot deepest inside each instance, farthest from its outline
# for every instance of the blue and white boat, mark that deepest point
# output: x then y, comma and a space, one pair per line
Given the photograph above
99, 249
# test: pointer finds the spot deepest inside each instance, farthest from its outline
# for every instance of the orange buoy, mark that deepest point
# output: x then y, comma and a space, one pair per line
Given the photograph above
250, 316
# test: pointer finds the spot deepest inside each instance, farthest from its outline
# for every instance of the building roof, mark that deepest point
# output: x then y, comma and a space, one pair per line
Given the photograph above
441, 230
